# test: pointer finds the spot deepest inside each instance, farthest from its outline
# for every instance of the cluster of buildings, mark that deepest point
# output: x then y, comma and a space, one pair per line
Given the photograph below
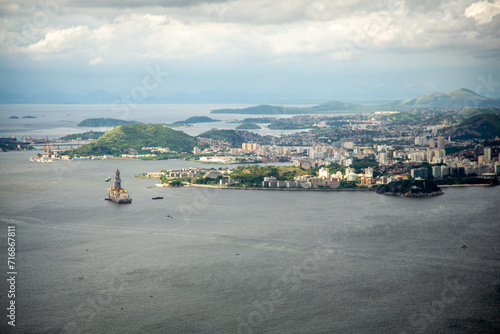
324, 179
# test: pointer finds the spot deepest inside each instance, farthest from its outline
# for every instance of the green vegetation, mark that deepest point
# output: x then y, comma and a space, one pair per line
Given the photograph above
252, 176
229, 136
12, 146
208, 180
401, 118
85, 135
101, 122
409, 188
360, 165
197, 119
465, 180
482, 126
248, 126
130, 138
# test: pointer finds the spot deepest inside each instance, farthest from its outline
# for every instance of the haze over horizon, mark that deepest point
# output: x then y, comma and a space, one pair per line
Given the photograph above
309, 50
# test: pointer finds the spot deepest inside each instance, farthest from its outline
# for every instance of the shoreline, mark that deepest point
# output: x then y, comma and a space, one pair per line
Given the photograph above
464, 185
279, 189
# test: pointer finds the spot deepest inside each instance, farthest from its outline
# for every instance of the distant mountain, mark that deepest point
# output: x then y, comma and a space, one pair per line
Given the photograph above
104, 122
103, 97
11, 98
459, 98
482, 126
197, 119
265, 109
133, 137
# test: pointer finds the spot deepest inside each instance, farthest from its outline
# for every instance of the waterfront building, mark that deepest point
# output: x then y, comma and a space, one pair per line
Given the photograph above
421, 173
436, 172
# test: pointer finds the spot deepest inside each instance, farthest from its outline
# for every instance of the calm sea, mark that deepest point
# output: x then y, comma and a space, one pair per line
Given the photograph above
57, 120
234, 261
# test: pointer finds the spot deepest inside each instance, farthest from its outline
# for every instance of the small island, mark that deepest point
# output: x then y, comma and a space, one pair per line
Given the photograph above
197, 119
248, 126
104, 122
410, 188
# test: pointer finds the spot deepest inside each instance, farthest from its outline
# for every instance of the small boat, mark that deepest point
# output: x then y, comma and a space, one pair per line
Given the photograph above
108, 179
169, 217
158, 197
107, 199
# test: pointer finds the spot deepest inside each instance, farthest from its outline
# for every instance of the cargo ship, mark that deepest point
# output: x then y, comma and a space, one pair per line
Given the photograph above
116, 193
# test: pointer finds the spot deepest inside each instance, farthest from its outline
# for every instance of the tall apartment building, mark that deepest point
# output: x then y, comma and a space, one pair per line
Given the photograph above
487, 154
440, 143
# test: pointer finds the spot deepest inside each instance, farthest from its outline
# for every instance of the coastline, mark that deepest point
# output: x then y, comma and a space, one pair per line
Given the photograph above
409, 194
464, 185
278, 189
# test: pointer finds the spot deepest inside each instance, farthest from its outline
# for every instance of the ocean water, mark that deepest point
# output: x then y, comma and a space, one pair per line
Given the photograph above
235, 261
57, 120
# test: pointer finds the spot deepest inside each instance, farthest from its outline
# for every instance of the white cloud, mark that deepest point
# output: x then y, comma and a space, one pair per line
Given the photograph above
95, 61
483, 11
59, 41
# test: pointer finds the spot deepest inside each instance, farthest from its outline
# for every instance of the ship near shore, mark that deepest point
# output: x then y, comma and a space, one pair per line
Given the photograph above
116, 193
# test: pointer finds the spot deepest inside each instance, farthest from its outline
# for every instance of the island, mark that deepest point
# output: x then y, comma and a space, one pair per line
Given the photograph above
248, 126
197, 119
104, 122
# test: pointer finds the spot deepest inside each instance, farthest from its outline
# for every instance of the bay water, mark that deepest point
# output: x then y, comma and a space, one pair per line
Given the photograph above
238, 261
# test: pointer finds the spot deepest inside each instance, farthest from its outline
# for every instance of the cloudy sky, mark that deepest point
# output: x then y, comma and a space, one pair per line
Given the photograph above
331, 49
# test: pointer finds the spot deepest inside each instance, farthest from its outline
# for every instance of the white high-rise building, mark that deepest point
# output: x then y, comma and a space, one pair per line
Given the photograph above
382, 158
487, 153
436, 171
445, 170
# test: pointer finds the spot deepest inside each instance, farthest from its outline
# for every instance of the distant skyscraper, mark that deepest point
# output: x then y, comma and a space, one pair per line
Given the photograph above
440, 143
487, 153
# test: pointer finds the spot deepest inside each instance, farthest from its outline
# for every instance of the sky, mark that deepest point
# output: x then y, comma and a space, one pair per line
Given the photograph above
317, 50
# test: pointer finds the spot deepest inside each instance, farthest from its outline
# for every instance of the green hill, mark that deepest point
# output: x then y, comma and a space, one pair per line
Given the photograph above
458, 98
104, 122
130, 138
197, 119
481, 126
248, 126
